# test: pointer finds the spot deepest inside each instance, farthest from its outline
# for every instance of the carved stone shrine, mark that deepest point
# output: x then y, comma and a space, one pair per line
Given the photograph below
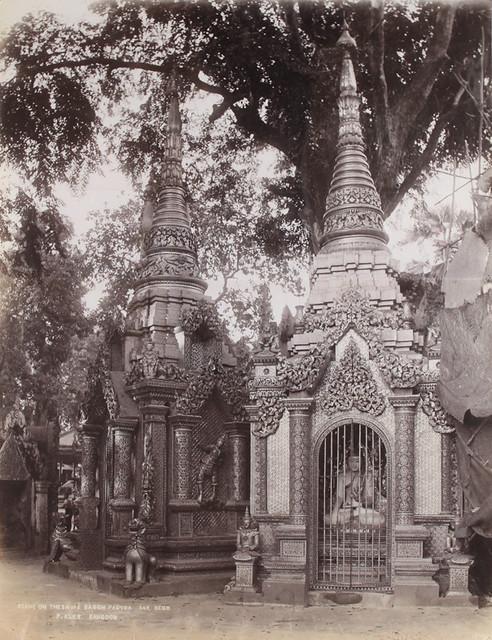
353, 472
165, 438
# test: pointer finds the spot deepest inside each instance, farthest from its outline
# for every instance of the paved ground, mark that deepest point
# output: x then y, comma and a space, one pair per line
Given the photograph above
34, 605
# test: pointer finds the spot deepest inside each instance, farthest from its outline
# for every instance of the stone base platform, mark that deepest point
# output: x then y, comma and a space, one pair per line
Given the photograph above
408, 595
170, 584
243, 597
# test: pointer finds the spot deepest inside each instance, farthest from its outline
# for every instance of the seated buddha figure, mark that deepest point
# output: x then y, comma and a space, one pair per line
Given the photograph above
354, 498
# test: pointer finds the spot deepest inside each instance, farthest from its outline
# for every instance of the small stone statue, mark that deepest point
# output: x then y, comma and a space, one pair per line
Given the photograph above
62, 542
139, 564
149, 360
248, 536
208, 467
246, 557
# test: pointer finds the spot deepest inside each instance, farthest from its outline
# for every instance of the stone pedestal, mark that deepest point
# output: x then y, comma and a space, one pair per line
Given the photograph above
459, 567
245, 571
41, 540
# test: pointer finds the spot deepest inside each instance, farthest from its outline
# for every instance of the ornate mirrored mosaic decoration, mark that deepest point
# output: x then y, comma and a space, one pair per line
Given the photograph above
352, 385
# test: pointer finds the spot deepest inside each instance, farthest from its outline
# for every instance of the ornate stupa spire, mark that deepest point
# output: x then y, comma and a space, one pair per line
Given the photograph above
170, 189
167, 279
169, 245
353, 205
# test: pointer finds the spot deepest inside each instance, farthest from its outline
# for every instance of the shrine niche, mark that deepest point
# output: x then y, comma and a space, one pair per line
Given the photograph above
353, 530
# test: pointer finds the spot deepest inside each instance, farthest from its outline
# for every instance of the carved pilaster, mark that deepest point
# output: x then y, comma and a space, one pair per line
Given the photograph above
88, 502
122, 504
405, 407
238, 433
123, 445
260, 463
300, 430
182, 431
155, 427
41, 513
447, 502
89, 459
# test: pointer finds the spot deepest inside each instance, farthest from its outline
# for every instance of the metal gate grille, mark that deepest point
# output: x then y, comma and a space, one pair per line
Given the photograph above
353, 515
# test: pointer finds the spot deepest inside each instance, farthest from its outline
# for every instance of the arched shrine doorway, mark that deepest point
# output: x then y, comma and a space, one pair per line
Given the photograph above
353, 532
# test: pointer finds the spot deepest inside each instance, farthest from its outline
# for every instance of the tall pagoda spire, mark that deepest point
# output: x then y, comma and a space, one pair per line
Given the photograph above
169, 254
170, 189
167, 278
353, 206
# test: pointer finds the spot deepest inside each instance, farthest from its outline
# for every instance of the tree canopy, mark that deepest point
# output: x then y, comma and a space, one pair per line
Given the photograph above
73, 93
41, 314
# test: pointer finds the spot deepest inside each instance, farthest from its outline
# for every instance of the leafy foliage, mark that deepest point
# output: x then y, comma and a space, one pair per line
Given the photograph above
273, 67
38, 318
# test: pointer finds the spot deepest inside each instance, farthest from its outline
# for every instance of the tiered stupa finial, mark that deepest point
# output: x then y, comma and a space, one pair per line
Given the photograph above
354, 249
169, 246
353, 205
167, 279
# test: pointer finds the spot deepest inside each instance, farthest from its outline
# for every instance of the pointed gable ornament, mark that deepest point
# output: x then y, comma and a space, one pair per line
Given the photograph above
351, 385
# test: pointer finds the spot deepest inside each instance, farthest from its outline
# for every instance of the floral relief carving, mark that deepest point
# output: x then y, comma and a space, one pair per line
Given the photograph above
353, 196
405, 463
175, 265
299, 374
353, 219
230, 382
170, 237
398, 372
204, 318
353, 309
352, 385
433, 409
146, 511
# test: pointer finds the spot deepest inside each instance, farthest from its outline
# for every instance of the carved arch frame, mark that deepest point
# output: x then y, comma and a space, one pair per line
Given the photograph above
312, 534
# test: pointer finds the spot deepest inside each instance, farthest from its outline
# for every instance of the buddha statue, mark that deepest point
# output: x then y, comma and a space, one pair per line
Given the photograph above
354, 498
248, 537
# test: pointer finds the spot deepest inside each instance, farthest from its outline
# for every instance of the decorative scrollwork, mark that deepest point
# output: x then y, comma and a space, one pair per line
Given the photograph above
170, 237
175, 265
353, 196
351, 385
399, 372
299, 374
355, 310
433, 409
231, 382
203, 318
353, 219
147, 505
270, 410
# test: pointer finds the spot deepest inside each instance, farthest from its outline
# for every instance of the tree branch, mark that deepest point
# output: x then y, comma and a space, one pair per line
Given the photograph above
407, 109
425, 157
376, 65
249, 118
29, 69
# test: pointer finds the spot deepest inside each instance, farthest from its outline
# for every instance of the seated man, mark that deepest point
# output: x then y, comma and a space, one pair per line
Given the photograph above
354, 498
